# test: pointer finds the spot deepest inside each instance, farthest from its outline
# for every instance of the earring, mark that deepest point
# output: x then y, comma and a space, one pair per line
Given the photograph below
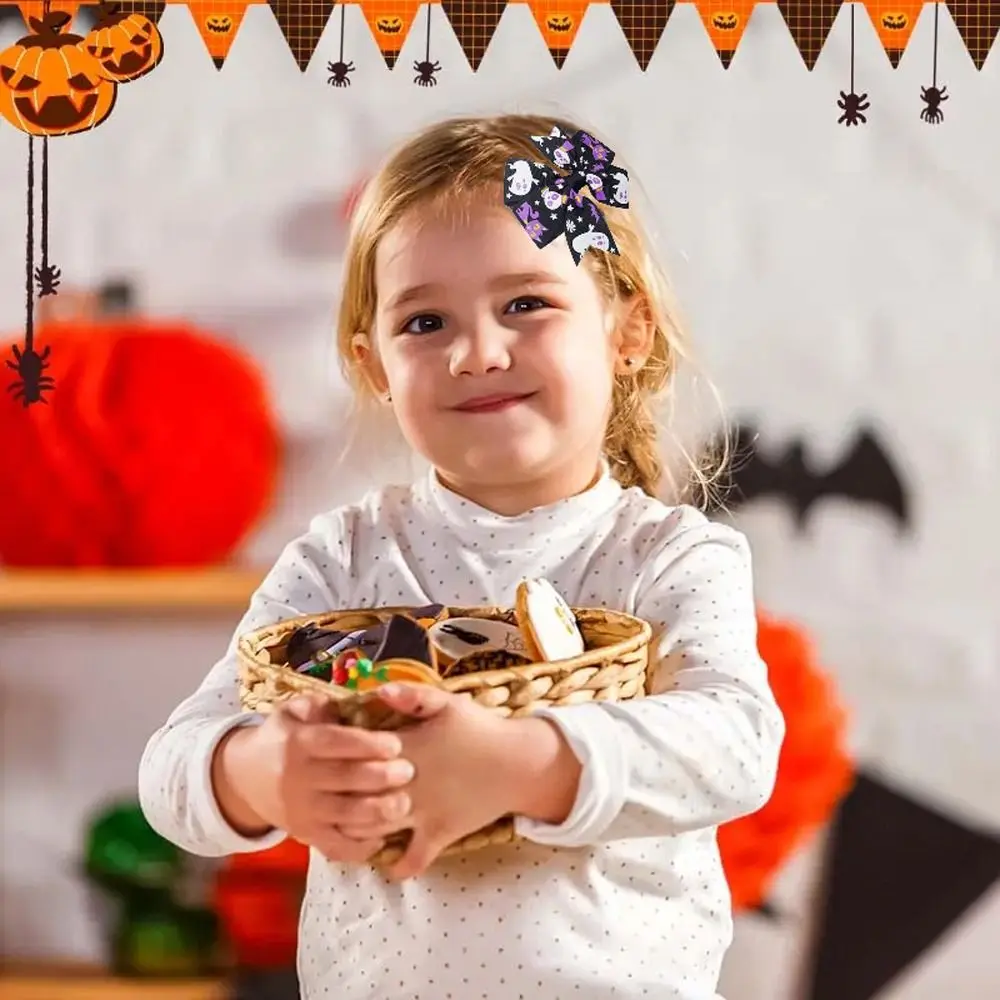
388, 397
630, 362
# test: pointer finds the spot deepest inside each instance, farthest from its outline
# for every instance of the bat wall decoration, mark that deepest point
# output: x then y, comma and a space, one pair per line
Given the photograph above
866, 473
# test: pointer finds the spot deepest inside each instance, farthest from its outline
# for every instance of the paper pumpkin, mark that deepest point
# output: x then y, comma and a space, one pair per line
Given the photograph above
50, 85
814, 770
158, 448
127, 45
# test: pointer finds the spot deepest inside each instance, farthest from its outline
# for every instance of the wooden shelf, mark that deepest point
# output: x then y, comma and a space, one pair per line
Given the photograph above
26, 981
24, 591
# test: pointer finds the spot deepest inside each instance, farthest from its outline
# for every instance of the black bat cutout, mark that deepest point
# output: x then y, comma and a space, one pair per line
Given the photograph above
866, 474
405, 639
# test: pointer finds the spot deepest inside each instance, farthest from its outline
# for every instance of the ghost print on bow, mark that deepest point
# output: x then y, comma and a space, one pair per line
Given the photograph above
548, 204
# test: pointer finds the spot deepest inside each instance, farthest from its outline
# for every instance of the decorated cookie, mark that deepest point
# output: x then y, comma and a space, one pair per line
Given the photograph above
308, 640
487, 659
458, 637
428, 615
406, 639
547, 622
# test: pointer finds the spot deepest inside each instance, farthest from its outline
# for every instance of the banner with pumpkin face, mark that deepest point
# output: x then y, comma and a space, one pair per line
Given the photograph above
725, 21
390, 22
218, 23
559, 21
894, 22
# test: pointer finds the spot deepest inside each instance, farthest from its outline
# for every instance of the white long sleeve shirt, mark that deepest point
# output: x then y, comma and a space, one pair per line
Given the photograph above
626, 898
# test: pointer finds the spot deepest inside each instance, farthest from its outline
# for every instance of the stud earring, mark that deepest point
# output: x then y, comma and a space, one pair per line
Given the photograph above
630, 362
388, 397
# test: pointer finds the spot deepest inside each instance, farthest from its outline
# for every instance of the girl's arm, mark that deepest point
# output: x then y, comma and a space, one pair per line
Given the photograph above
175, 774
703, 748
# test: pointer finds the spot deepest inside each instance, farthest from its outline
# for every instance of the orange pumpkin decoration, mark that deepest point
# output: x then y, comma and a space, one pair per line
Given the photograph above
814, 769
725, 21
127, 46
559, 21
217, 25
894, 23
50, 85
390, 22
159, 448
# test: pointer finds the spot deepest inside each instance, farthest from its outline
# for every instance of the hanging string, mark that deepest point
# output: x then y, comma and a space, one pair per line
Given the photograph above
934, 72
343, 10
29, 318
852, 46
427, 52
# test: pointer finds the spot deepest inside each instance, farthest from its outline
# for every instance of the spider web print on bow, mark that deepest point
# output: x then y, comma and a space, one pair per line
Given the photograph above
549, 205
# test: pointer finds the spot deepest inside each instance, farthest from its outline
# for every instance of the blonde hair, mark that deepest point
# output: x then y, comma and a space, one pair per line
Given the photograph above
458, 161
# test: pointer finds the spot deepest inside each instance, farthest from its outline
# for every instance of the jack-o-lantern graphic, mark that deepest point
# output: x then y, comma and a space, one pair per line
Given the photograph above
389, 22
894, 22
725, 21
218, 26
50, 85
559, 23
126, 45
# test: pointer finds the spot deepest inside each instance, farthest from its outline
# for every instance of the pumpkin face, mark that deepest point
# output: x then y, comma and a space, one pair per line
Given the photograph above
725, 21
389, 25
894, 23
559, 24
50, 85
127, 46
218, 27
389, 22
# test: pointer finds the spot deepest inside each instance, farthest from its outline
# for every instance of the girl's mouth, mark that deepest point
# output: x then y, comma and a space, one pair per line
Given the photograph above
492, 404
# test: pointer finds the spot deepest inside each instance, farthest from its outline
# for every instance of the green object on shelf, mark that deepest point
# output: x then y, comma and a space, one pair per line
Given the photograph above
124, 852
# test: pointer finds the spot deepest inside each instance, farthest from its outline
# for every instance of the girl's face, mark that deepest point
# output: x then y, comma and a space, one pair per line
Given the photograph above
498, 357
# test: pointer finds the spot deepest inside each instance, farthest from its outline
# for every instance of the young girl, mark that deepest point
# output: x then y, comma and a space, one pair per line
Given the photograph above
524, 379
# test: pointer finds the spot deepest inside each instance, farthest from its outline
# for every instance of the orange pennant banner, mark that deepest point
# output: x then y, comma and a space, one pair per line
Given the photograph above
36, 8
217, 23
559, 21
725, 21
390, 22
894, 22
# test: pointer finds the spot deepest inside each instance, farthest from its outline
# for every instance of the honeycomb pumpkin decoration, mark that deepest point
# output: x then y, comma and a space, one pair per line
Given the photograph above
50, 85
158, 448
126, 45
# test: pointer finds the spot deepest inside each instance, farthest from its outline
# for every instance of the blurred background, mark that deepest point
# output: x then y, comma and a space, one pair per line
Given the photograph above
837, 281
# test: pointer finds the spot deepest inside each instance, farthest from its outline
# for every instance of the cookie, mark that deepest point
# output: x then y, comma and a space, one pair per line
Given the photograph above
458, 637
308, 640
428, 614
487, 659
406, 639
547, 622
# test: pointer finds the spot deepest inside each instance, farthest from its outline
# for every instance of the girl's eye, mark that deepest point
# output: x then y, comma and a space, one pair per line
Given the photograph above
425, 323
526, 304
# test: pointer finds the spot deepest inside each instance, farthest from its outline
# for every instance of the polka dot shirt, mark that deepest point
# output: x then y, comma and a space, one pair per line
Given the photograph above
627, 897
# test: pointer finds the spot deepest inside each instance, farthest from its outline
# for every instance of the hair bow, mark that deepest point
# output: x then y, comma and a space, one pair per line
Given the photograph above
548, 204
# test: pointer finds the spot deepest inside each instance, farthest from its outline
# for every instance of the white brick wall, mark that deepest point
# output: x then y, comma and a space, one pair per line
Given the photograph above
830, 274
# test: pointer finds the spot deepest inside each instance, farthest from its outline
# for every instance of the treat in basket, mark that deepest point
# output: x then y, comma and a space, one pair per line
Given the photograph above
454, 638
406, 639
486, 659
356, 672
548, 623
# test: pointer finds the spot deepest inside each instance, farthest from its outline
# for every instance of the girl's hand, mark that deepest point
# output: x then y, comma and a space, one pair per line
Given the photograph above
472, 767
303, 774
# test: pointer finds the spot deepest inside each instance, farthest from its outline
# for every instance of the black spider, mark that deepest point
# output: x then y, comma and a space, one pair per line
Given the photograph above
933, 98
32, 385
425, 73
339, 72
47, 278
853, 105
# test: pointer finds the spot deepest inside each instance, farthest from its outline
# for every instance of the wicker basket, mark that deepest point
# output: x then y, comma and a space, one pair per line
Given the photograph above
612, 669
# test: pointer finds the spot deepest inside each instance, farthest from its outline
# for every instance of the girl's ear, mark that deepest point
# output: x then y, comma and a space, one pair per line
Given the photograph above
635, 332
367, 363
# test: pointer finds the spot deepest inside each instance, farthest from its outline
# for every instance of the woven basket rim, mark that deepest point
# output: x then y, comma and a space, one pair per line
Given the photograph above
641, 635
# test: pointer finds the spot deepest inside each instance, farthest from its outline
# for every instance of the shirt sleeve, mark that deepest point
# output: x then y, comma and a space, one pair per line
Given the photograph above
702, 748
175, 785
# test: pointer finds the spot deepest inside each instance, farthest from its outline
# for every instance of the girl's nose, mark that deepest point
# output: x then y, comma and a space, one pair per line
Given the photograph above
482, 350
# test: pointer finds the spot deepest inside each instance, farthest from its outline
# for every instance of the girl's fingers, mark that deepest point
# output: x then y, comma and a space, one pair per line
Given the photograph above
361, 777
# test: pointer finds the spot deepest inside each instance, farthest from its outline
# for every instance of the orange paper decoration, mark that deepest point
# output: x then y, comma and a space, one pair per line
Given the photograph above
725, 21
894, 23
217, 24
36, 8
390, 22
559, 21
814, 770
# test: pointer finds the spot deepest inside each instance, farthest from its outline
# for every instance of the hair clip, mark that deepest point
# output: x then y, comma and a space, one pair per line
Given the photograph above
548, 204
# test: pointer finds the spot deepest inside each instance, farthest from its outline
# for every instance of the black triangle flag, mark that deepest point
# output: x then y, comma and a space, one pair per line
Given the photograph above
898, 876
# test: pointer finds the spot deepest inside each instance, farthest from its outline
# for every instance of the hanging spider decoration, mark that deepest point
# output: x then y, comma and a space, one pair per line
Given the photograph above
854, 106
933, 97
32, 382
47, 279
425, 71
339, 73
